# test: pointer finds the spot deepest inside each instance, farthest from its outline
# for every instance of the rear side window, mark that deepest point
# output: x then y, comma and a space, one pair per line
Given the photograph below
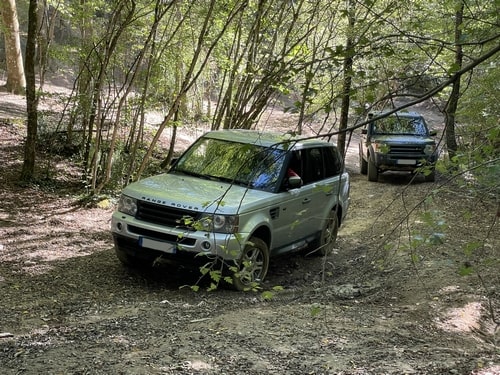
316, 164
333, 161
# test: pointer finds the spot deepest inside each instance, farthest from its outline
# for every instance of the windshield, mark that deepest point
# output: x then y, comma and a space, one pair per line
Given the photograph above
400, 125
239, 163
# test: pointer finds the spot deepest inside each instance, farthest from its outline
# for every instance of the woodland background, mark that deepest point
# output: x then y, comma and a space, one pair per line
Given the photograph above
221, 64
101, 93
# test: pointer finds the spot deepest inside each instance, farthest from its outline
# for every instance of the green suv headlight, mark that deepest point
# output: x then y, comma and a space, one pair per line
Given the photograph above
429, 149
219, 223
381, 147
127, 205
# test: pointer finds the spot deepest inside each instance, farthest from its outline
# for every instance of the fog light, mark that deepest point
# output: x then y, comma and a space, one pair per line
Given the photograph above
206, 245
119, 226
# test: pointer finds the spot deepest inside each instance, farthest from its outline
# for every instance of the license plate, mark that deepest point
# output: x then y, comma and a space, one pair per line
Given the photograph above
407, 162
166, 247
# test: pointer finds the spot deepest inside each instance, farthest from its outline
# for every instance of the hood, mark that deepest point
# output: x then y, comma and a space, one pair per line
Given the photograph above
194, 194
402, 139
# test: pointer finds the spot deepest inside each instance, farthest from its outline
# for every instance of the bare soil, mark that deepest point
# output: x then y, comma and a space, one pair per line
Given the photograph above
380, 304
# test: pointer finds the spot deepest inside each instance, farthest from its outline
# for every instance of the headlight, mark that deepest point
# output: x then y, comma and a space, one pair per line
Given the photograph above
219, 223
127, 205
381, 147
429, 149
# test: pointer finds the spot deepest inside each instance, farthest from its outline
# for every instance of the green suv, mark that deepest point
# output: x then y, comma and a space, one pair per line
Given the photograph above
397, 142
236, 198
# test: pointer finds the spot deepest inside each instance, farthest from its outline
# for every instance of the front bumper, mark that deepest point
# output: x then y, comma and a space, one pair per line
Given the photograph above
403, 162
138, 237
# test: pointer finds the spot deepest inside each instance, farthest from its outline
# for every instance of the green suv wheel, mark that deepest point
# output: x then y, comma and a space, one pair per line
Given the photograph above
363, 164
372, 171
431, 177
253, 265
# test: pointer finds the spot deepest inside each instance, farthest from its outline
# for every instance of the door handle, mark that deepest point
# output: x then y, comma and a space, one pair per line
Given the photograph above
306, 200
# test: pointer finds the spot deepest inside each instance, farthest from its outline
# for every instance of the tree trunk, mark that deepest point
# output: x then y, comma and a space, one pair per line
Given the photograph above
28, 170
451, 106
16, 82
347, 81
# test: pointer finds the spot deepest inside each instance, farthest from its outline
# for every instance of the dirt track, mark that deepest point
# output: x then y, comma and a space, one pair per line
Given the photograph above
376, 306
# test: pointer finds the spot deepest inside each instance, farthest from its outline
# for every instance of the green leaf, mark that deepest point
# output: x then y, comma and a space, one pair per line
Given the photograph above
466, 270
267, 295
216, 275
315, 310
212, 287
470, 247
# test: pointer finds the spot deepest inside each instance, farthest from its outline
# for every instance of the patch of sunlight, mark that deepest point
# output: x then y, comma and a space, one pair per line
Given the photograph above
449, 289
198, 365
491, 370
461, 319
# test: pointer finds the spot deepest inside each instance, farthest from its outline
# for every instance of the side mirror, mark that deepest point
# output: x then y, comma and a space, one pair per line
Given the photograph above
294, 182
433, 133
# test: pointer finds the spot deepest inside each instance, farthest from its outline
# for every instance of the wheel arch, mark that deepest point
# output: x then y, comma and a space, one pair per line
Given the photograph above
264, 233
338, 209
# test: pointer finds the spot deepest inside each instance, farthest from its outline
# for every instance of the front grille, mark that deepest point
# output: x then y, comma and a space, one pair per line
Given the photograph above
413, 150
163, 215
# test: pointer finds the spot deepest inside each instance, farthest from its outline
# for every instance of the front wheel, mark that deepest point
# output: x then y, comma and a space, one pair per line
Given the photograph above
431, 177
363, 164
372, 170
253, 265
130, 261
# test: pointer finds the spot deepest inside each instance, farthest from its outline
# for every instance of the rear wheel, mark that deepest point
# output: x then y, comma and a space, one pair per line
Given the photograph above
328, 234
253, 265
372, 170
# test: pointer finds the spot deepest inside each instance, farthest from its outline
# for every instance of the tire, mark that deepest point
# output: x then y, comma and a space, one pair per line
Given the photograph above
372, 171
328, 234
253, 265
431, 177
363, 164
131, 261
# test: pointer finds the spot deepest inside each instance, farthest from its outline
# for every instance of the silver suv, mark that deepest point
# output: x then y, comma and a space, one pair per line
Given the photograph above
238, 197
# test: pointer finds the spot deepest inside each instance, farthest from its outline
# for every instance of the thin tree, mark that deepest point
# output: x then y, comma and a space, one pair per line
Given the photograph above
16, 81
28, 170
452, 104
192, 72
347, 73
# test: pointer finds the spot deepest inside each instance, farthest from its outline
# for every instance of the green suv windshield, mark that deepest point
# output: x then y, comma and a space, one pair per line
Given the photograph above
400, 125
239, 163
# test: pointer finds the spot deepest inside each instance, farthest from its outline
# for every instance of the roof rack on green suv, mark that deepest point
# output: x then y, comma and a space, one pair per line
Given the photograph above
236, 197
399, 141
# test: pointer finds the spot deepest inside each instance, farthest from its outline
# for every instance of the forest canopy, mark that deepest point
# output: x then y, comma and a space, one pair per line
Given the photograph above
223, 63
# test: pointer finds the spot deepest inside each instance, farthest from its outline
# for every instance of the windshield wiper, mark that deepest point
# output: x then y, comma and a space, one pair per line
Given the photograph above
186, 172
